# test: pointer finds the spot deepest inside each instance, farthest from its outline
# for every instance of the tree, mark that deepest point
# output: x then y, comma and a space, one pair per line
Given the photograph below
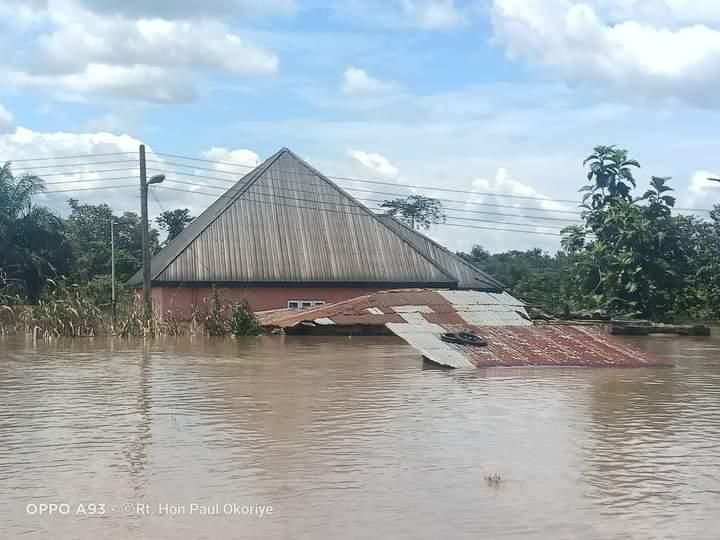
632, 255
88, 231
32, 245
533, 275
174, 222
416, 211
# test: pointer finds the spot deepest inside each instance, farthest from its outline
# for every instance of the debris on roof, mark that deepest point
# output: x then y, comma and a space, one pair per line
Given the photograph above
422, 316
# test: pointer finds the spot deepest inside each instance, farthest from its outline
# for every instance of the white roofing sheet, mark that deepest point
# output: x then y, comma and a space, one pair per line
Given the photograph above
479, 298
430, 345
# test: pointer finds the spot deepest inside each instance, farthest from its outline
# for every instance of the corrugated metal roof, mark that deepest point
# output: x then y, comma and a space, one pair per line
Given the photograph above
469, 276
286, 223
420, 317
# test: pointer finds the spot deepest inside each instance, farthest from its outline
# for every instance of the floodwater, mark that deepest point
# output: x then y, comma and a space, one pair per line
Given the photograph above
351, 438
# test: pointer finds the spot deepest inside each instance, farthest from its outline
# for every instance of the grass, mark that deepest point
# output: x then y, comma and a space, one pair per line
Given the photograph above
74, 311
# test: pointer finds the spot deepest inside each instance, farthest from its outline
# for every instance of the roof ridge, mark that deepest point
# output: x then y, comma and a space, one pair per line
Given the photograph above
372, 214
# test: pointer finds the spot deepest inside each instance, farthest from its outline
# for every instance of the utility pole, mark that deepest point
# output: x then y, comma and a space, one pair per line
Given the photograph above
112, 272
147, 301
144, 183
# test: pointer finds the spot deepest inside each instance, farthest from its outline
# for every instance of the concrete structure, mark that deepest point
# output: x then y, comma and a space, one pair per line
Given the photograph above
287, 236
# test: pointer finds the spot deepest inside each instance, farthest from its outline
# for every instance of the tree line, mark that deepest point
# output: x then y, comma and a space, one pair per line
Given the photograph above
632, 256
38, 246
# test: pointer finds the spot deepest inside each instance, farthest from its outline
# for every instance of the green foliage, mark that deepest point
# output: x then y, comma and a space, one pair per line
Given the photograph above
32, 244
243, 321
88, 231
416, 211
632, 256
533, 275
174, 222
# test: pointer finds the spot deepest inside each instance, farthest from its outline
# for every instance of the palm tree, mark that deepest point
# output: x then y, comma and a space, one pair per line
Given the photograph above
32, 243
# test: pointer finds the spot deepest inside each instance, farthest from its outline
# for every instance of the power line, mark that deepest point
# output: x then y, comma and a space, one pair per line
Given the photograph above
344, 178
69, 173
90, 180
87, 189
76, 156
348, 188
378, 182
368, 181
380, 201
78, 164
249, 197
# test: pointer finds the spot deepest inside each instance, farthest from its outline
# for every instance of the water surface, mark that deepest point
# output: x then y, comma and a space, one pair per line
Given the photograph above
353, 438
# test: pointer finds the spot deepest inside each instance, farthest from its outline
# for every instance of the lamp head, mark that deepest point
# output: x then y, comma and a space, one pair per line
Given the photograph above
157, 179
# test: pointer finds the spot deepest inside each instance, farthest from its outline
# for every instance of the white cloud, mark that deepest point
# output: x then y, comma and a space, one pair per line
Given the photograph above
41, 153
357, 82
376, 163
700, 184
72, 50
134, 82
6, 120
423, 14
85, 39
432, 14
190, 8
504, 184
238, 161
632, 57
30, 152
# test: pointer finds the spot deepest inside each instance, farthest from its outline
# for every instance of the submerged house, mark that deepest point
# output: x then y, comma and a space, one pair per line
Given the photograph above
286, 236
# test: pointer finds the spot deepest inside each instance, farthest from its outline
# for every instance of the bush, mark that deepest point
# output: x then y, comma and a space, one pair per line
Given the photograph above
243, 321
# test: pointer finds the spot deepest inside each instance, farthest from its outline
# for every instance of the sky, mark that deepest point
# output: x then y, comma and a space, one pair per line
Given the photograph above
494, 99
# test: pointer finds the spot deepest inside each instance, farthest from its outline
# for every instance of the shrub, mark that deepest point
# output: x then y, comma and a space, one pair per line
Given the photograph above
243, 321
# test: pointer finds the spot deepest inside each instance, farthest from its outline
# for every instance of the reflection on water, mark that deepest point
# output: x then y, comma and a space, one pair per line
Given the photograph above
352, 438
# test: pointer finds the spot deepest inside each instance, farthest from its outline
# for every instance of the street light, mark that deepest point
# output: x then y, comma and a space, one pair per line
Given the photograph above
714, 179
144, 183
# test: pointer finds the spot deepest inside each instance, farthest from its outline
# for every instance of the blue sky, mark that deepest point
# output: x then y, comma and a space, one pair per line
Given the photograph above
492, 96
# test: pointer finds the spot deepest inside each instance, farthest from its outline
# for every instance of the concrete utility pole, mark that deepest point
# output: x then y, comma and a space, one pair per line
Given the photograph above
113, 305
144, 183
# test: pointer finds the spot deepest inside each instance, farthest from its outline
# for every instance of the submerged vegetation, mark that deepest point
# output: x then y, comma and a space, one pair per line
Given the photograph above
72, 311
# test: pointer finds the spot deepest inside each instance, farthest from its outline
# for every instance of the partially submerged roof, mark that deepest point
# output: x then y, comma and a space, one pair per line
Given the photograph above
285, 222
469, 276
421, 316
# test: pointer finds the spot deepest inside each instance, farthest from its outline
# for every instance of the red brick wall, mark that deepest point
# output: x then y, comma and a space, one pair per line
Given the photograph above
181, 300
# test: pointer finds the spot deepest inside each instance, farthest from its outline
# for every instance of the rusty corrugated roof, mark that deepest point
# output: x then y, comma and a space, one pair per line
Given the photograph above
421, 316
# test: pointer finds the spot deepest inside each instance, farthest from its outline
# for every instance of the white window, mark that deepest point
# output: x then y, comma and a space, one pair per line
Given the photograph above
302, 304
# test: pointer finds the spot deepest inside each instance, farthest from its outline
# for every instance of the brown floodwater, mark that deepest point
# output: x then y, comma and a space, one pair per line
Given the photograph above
351, 438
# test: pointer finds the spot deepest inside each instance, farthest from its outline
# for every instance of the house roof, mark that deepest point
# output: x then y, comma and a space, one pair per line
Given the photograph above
468, 275
421, 316
285, 222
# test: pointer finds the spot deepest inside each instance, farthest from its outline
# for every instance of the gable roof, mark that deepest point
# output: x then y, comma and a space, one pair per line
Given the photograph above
468, 275
285, 222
